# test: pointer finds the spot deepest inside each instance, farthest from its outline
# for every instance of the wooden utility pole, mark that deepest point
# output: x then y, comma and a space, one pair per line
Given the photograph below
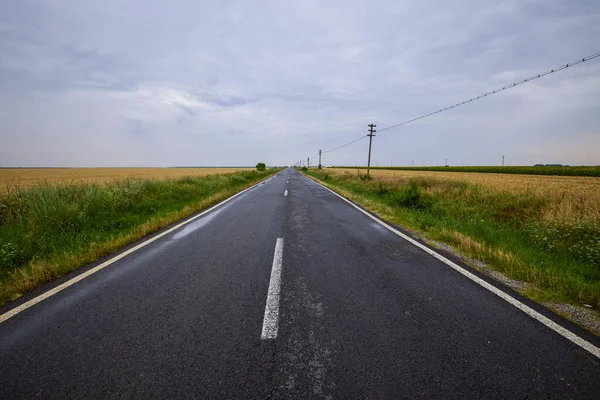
308, 162
320, 151
503, 160
370, 135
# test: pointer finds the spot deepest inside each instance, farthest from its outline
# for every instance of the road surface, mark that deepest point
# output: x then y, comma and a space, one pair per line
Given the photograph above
286, 291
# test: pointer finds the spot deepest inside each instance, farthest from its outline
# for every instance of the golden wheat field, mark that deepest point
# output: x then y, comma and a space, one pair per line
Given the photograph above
570, 198
27, 177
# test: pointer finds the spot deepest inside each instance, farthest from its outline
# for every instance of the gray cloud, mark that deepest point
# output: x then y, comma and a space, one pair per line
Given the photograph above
226, 83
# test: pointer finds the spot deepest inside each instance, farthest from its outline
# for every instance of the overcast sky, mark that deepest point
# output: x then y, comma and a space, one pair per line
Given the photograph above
208, 83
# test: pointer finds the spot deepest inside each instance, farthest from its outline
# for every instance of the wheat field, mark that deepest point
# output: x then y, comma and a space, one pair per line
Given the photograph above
24, 178
571, 199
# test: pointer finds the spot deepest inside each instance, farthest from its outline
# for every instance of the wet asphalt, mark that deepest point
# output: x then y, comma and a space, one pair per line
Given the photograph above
363, 314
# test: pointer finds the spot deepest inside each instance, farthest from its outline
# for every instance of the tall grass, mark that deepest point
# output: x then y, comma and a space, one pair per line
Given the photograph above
508, 231
48, 230
527, 170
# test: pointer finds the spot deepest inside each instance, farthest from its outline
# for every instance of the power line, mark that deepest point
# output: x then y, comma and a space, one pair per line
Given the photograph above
515, 84
344, 145
531, 78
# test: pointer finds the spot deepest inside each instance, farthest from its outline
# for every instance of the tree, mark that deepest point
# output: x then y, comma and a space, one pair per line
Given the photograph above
261, 166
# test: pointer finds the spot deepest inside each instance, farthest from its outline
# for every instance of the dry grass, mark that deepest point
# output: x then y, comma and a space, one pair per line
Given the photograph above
540, 230
571, 199
41, 271
49, 230
28, 177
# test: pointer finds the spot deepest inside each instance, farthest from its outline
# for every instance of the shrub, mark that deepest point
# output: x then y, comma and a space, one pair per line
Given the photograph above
187, 179
382, 189
408, 196
261, 166
238, 179
66, 224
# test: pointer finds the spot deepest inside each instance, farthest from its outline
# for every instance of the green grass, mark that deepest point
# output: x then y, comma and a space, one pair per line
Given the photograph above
528, 170
504, 230
47, 230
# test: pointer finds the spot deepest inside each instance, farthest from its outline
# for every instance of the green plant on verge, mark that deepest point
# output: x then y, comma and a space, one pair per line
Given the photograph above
65, 225
528, 170
504, 230
408, 195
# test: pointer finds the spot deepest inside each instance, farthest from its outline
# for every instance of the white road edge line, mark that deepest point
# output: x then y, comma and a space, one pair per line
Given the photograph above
285, 193
70, 282
526, 309
271, 320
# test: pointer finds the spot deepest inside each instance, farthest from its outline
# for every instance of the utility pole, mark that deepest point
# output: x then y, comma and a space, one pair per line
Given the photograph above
320, 151
308, 162
503, 160
370, 135
446, 161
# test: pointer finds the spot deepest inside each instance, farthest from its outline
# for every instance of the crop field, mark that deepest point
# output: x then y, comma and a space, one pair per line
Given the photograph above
539, 229
562, 170
569, 199
24, 178
75, 216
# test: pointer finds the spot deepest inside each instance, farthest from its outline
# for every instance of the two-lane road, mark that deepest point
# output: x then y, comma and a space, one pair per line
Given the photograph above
354, 310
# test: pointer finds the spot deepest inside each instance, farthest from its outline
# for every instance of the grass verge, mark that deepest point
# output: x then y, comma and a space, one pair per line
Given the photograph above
506, 231
562, 170
49, 230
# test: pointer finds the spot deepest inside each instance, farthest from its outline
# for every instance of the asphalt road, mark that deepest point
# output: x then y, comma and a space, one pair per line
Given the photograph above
360, 313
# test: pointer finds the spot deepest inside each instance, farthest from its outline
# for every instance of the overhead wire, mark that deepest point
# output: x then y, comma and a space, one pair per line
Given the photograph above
503, 88
344, 145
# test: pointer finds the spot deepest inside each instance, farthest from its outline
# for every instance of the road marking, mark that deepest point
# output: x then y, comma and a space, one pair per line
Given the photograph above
266, 181
271, 320
285, 193
526, 309
80, 277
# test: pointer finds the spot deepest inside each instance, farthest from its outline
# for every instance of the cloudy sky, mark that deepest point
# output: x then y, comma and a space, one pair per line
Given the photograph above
188, 82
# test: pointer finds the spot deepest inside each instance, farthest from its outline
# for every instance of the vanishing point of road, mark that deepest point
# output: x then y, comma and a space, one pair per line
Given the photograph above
286, 291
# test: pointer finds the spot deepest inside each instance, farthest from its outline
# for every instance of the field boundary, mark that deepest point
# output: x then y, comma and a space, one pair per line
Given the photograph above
566, 333
583, 171
38, 273
121, 254
502, 231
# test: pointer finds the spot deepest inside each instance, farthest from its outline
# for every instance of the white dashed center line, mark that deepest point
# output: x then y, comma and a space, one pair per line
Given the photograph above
271, 320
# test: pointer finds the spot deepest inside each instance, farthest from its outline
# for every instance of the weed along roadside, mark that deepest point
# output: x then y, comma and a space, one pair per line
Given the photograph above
562, 170
49, 230
558, 260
